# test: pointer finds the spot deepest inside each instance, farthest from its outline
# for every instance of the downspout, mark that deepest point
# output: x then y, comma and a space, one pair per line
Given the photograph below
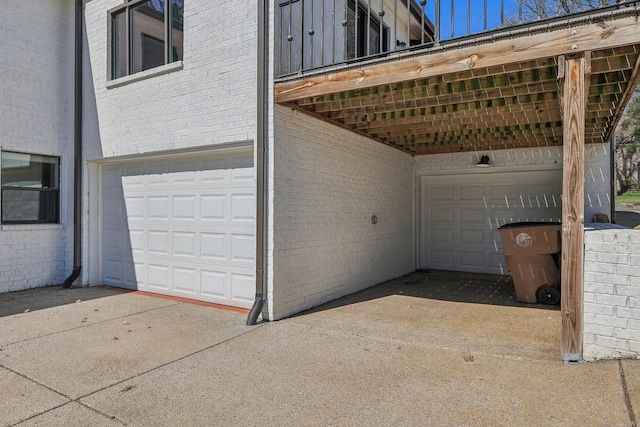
77, 144
262, 112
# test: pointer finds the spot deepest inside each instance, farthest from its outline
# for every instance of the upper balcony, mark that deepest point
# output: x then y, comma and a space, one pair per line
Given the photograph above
455, 75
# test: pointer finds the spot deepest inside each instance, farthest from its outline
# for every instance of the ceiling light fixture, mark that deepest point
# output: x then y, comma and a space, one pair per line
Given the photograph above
484, 162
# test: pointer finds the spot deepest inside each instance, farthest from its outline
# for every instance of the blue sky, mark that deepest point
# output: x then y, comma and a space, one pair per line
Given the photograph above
476, 17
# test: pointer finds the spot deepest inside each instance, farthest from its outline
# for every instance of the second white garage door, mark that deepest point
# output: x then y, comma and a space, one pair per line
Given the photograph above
460, 215
182, 226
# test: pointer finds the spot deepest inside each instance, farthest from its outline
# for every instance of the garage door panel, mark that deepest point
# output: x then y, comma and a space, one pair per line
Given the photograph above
472, 260
137, 241
158, 208
242, 207
472, 236
441, 215
192, 223
135, 207
158, 276
470, 215
243, 247
134, 177
113, 208
443, 257
113, 239
114, 272
241, 176
442, 235
440, 193
505, 216
500, 191
470, 192
112, 178
242, 287
158, 172
184, 280
213, 245
184, 172
184, 244
158, 242
213, 207
212, 284
184, 207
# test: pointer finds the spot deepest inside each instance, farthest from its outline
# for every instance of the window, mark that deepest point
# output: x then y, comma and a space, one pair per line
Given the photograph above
30, 188
364, 36
145, 34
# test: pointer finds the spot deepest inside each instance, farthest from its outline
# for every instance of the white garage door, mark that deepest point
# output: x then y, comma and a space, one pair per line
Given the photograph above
181, 226
460, 215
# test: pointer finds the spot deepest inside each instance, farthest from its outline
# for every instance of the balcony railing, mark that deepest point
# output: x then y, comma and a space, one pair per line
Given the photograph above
313, 34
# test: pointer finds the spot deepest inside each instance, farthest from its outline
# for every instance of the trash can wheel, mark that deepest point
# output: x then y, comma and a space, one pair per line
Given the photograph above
548, 295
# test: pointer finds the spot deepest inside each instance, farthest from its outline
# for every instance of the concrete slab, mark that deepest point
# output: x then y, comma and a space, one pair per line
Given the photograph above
72, 414
23, 398
80, 361
476, 328
631, 369
286, 373
100, 305
380, 357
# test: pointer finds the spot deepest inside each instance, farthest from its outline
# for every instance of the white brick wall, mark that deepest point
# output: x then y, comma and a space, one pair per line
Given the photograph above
210, 101
36, 113
327, 184
611, 292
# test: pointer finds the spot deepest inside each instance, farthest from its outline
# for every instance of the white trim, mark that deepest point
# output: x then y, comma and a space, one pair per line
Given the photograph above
147, 74
31, 227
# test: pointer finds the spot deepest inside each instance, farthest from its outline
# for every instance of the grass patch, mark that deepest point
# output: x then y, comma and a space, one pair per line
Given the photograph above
632, 196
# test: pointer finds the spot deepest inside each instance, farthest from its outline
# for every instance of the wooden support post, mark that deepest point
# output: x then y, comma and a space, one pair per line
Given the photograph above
574, 91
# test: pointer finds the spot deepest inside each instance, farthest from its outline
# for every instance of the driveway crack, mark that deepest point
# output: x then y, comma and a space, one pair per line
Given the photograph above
627, 398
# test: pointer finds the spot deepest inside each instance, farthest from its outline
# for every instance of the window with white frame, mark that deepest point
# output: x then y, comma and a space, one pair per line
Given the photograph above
30, 188
145, 34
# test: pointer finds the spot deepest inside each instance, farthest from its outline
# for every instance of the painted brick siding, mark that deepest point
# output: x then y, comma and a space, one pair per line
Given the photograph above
327, 185
597, 172
210, 101
611, 292
36, 109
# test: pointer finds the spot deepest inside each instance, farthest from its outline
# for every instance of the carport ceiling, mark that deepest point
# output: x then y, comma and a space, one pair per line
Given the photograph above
502, 93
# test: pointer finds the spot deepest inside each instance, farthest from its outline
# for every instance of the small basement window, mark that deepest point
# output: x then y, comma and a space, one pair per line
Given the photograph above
30, 188
145, 35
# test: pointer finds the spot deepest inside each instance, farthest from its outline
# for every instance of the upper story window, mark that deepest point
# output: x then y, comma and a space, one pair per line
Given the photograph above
145, 34
30, 188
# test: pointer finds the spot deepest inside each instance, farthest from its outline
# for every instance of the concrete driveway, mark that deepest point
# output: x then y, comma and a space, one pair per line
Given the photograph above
381, 357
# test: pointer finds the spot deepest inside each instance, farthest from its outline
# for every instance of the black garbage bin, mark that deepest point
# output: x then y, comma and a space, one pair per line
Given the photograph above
531, 250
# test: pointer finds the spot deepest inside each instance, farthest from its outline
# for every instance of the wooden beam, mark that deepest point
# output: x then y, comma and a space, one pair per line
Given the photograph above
574, 101
604, 34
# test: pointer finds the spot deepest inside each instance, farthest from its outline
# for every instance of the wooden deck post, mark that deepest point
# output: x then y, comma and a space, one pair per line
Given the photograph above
573, 72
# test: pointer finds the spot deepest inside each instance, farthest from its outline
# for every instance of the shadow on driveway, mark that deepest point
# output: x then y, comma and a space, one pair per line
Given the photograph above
52, 296
474, 288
